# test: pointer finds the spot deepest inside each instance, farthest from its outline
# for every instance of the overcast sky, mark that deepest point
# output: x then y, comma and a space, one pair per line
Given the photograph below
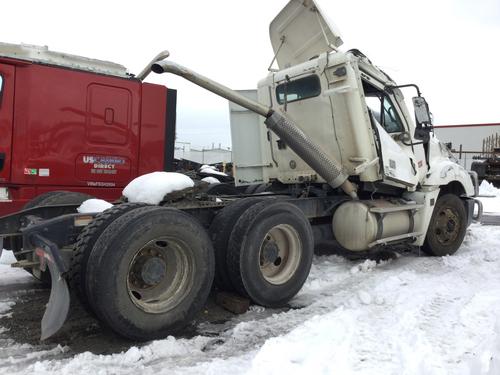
448, 47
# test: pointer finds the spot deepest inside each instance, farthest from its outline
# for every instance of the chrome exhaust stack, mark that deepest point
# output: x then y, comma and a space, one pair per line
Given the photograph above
145, 72
329, 169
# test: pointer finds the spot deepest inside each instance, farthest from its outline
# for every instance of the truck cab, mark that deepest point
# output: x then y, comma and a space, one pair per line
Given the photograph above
354, 112
77, 124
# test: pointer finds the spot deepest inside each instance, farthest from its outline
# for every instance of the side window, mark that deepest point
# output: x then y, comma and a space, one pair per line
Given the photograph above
375, 105
298, 89
384, 112
391, 121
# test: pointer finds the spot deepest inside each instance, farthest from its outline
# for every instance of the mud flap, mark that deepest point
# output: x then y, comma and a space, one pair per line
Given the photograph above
58, 306
59, 300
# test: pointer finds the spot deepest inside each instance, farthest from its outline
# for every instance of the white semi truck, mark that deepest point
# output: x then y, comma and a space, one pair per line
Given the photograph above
326, 141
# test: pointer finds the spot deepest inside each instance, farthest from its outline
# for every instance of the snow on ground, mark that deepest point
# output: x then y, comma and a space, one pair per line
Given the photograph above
94, 205
152, 187
9, 275
489, 198
413, 315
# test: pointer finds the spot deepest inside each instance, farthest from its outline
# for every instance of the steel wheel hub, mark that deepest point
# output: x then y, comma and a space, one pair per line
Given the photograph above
280, 253
447, 226
153, 271
160, 275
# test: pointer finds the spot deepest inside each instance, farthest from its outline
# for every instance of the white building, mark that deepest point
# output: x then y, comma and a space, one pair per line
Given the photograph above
184, 151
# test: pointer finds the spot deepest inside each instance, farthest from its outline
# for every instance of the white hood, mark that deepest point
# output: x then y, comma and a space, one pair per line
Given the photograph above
301, 31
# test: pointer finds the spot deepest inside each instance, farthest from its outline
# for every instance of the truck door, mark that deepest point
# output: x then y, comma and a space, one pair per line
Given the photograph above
398, 159
7, 76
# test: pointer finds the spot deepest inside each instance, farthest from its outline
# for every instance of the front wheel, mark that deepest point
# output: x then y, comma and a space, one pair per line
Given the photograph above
150, 272
447, 226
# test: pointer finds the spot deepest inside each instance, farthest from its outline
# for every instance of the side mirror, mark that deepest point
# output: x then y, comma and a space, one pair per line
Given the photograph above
423, 119
422, 114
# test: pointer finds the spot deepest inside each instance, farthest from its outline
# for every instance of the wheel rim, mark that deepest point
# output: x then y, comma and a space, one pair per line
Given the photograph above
160, 275
279, 254
447, 226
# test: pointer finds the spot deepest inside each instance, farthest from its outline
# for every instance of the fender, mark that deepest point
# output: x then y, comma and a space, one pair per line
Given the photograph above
445, 171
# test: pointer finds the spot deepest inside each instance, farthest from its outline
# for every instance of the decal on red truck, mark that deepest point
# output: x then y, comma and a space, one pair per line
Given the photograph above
103, 167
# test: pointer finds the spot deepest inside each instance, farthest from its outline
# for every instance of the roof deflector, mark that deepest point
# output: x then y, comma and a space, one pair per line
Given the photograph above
301, 31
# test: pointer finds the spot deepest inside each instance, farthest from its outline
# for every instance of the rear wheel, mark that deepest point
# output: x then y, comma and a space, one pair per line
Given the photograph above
150, 272
447, 226
222, 189
220, 230
15, 243
76, 275
270, 252
46, 199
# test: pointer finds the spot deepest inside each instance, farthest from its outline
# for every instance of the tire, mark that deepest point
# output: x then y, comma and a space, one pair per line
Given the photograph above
15, 243
76, 275
251, 189
447, 226
40, 198
220, 231
270, 253
46, 199
261, 188
62, 197
222, 189
156, 253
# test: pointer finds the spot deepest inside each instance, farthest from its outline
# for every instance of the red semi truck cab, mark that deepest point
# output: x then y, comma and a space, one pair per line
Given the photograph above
77, 124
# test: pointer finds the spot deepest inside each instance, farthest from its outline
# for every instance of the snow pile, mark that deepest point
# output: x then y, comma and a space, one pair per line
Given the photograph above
209, 169
491, 199
151, 188
488, 189
211, 180
94, 205
11, 275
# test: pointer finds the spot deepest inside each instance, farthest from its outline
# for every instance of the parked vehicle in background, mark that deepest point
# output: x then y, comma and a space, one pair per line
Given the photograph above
487, 165
77, 124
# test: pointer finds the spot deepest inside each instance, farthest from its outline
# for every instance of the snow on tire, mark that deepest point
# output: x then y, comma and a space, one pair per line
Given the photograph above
150, 272
270, 252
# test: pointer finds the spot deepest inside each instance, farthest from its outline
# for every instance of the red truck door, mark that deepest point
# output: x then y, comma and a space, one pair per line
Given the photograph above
7, 76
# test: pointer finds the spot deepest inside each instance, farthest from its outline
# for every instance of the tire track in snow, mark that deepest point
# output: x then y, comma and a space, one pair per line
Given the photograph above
405, 316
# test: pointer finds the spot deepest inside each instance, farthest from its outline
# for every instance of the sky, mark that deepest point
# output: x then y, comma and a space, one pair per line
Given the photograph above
448, 47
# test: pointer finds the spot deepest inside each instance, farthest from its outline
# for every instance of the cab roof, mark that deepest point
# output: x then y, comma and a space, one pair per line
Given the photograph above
42, 54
